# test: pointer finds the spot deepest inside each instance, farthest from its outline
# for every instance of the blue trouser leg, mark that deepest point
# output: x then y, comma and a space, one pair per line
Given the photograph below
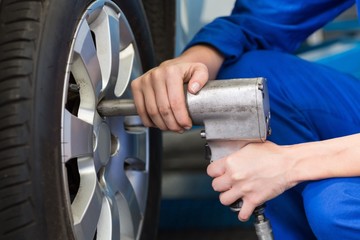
309, 102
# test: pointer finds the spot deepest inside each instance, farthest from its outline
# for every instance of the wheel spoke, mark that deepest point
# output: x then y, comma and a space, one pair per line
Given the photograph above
127, 37
87, 205
108, 227
126, 198
130, 217
126, 65
86, 68
77, 137
139, 182
107, 35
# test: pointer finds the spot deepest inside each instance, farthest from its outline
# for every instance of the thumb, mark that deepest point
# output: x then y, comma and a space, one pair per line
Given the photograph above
199, 78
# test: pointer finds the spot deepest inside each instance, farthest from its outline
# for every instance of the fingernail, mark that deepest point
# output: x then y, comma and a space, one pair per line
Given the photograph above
181, 131
195, 87
187, 128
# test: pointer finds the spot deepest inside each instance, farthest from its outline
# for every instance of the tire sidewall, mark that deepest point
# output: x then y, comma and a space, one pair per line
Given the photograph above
60, 19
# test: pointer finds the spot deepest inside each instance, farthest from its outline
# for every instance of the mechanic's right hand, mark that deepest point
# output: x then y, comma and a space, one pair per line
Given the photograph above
159, 94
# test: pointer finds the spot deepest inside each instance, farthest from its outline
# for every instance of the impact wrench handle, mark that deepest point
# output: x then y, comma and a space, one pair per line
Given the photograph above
262, 224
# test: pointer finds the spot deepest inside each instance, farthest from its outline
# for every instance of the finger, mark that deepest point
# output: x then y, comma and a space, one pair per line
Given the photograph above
140, 105
221, 184
231, 196
177, 102
164, 108
216, 168
152, 108
199, 77
246, 210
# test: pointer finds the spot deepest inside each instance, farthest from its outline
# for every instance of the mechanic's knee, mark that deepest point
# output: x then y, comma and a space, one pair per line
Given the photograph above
321, 216
331, 207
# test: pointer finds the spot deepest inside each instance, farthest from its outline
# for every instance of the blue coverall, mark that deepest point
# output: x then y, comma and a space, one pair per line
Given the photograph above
309, 102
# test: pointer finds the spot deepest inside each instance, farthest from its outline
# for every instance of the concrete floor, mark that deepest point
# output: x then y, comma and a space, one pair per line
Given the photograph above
190, 209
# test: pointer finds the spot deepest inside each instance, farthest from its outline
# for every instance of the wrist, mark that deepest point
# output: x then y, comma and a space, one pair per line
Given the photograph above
308, 162
206, 55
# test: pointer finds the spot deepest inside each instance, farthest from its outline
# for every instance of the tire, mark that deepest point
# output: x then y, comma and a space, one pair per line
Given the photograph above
161, 16
65, 171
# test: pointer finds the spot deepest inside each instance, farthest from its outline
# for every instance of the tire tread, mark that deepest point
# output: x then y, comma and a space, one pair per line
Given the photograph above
161, 17
20, 23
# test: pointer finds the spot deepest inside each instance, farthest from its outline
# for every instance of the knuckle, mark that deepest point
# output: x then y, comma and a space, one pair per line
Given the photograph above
228, 161
153, 112
154, 74
171, 70
175, 104
165, 110
202, 67
253, 200
236, 177
179, 107
246, 188
135, 85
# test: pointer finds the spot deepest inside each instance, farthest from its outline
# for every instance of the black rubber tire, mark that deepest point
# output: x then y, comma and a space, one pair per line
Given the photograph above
34, 46
161, 16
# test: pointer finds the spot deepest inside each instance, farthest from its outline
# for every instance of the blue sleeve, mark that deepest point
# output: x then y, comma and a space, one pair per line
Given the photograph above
268, 24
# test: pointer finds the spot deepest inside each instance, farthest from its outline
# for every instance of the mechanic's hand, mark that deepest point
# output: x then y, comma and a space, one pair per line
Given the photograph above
159, 94
256, 173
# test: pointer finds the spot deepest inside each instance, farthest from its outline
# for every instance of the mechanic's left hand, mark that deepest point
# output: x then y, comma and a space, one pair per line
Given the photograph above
256, 173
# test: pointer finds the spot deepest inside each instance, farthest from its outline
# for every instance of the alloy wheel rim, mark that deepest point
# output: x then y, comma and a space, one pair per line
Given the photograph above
105, 165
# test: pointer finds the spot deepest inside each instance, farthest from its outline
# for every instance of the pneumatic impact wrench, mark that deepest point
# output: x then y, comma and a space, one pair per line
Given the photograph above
233, 112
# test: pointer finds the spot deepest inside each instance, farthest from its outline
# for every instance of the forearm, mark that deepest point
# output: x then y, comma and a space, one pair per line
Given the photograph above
261, 171
338, 157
